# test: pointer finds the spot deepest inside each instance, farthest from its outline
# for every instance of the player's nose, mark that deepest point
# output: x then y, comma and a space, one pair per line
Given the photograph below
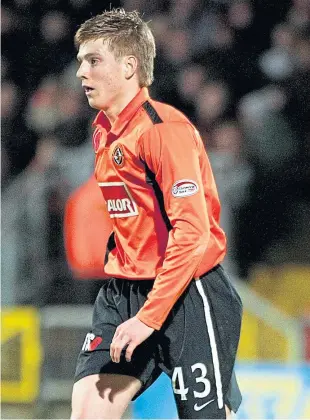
81, 72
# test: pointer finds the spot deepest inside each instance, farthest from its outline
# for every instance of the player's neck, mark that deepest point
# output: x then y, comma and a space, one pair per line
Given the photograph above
121, 101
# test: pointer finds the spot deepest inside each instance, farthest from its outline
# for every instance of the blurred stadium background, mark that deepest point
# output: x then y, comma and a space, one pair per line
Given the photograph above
240, 69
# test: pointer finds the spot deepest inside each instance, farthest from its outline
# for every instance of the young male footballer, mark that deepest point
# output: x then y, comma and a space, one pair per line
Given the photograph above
168, 305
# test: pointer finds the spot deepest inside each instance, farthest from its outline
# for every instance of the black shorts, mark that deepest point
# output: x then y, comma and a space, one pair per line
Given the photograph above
196, 345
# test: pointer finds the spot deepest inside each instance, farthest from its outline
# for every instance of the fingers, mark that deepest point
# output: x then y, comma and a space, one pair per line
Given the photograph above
118, 344
129, 351
129, 335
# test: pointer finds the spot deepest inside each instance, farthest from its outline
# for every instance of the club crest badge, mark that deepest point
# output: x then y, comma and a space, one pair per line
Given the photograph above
118, 155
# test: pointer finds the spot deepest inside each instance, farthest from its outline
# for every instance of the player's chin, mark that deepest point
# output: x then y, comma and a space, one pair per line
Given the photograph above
93, 103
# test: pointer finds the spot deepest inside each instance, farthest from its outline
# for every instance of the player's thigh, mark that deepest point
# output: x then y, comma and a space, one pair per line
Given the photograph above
103, 396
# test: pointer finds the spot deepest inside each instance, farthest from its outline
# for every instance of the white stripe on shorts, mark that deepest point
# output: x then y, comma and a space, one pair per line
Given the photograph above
215, 358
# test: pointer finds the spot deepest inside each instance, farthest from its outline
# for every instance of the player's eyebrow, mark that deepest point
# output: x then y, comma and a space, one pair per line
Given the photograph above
86, 56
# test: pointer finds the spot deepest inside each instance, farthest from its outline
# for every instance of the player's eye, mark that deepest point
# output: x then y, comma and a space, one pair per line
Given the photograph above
94, 61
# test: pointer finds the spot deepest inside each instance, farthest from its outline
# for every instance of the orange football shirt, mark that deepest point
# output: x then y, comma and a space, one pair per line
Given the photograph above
156, 179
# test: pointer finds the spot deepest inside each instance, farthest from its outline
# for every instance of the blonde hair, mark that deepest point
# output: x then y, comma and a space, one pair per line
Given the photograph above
125, 34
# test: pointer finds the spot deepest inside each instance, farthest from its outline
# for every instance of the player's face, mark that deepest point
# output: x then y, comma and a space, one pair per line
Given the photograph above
101, 74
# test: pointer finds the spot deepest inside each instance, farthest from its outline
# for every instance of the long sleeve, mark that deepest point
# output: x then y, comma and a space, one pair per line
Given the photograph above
174, 153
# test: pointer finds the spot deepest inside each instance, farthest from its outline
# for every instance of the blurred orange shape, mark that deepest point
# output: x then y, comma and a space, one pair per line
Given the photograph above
87, 227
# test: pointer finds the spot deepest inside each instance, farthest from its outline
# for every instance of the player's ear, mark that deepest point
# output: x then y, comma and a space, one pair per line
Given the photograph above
131, 65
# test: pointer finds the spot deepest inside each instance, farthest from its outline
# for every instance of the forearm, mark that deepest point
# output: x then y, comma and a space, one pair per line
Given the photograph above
179, 267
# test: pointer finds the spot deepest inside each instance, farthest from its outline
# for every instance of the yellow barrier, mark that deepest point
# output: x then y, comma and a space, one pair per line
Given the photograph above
277, 338
248, 346
21, 354
259, 341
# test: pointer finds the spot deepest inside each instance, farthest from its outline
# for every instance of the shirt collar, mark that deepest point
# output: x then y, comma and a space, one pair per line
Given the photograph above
125, 115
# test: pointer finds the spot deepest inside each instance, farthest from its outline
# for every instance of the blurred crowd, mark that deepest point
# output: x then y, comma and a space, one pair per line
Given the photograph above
239, 69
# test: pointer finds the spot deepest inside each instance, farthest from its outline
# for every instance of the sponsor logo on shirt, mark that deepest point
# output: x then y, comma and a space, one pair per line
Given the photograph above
91, 342
118, 155
118, 199
184, 188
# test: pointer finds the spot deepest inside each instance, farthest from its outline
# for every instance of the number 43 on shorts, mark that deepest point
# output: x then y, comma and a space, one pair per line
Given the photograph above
177, 377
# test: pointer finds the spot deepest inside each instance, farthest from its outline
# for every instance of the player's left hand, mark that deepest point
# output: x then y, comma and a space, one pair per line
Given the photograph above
132, 333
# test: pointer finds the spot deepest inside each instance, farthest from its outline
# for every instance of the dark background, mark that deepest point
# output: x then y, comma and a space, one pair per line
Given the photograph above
238, 68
